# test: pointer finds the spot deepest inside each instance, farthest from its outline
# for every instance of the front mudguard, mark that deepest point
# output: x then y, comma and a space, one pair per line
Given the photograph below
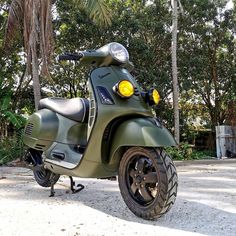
142, 132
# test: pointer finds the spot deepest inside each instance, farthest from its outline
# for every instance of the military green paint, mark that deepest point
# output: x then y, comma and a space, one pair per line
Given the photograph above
50, 128
44, 131
140, 131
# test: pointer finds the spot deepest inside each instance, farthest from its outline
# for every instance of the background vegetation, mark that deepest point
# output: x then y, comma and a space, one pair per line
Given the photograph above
206, 65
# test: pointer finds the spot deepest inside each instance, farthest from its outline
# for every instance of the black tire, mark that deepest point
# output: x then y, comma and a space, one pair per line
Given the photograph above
148, 181
43, 177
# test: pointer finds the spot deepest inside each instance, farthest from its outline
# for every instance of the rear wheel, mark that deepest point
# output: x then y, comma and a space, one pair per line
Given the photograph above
43, 177
148, 181
46, 178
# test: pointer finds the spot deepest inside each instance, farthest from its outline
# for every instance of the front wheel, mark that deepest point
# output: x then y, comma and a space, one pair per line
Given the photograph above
148, 181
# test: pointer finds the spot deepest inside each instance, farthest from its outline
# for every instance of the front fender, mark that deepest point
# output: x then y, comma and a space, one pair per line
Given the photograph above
141, 132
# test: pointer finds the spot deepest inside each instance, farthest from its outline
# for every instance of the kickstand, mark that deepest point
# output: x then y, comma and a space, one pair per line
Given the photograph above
72, 184
52, 193
52, 183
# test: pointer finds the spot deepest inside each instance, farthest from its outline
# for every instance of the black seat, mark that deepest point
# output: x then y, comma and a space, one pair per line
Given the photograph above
76, 109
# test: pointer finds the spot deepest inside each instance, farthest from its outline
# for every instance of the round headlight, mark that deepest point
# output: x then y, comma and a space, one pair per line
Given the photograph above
119, 52
124, 88
154, 97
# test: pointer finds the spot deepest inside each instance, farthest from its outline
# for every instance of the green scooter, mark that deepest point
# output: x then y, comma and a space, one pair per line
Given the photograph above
113, 132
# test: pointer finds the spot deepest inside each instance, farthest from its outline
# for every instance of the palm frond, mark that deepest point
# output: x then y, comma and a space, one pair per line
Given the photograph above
14, 23
33, 19
13, 119
46, 36
98, 11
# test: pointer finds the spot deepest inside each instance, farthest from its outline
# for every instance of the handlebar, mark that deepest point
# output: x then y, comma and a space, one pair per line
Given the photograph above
70, 57
95, 58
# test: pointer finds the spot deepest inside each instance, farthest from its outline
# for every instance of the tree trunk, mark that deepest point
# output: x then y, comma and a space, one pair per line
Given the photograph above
35, 78
174, 70
35, 63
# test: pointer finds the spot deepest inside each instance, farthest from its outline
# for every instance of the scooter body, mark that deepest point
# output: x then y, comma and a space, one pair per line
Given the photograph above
94, 149
91, 137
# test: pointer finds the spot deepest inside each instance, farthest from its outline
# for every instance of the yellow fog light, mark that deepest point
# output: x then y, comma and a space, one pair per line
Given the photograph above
124, 88
154, 97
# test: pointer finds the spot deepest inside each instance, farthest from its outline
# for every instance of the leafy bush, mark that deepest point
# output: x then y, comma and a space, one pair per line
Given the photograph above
186, 152
11, 148
6, 115
11, 124
203, 154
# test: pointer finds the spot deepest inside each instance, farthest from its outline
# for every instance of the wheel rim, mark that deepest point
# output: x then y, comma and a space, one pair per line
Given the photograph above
142, 180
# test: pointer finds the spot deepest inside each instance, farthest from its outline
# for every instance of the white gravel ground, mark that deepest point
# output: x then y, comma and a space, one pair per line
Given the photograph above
206, 205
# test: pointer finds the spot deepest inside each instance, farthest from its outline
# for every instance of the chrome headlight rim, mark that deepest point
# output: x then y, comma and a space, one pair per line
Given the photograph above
118, 52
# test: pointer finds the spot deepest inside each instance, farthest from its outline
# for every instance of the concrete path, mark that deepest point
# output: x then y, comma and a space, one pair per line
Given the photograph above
206, 205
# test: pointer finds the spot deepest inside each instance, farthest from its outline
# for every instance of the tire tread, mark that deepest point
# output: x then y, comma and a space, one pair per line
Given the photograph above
168, 183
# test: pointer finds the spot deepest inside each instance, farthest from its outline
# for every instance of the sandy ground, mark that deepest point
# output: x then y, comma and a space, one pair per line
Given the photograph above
206, 205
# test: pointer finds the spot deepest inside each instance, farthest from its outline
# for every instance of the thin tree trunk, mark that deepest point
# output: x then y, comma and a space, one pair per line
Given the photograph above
174, 70
35, 64
35, 78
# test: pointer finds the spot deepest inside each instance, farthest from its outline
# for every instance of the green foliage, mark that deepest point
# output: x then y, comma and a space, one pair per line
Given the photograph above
206, 154
183, 152
186, 152
207, 60
98, 11
11, 148
6, 115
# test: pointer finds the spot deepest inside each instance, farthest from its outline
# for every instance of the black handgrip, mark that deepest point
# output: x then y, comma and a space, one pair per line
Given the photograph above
70, 57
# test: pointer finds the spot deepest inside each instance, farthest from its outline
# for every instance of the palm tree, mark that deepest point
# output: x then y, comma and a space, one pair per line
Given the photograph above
33, 20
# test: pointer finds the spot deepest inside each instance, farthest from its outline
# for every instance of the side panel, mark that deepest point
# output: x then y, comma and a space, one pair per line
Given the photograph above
62, 140
41, 129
